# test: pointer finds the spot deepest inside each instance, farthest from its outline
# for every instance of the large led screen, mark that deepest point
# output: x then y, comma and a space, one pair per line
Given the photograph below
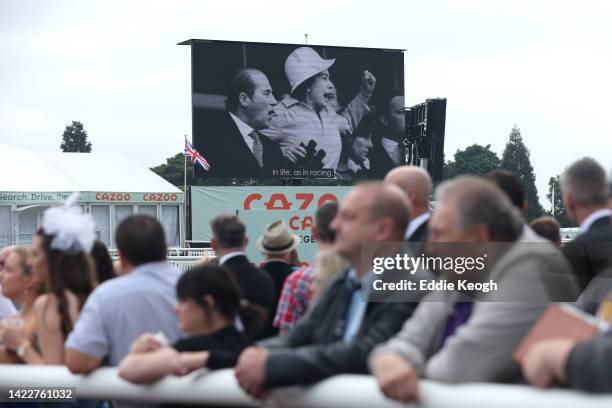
297, 111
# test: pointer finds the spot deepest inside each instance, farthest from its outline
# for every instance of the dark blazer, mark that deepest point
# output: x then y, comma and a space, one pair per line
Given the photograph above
309, 351
278, 271
257, 286
417, 242
224, 148
588, 365
591, 251
421, 233
380, 162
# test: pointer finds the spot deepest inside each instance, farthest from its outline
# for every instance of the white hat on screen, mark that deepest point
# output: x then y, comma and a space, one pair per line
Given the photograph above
303, 63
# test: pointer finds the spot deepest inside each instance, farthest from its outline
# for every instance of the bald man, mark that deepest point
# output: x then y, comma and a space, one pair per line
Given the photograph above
416, 184
232, 141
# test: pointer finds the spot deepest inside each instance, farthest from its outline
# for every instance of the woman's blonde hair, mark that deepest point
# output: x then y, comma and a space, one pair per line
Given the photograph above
326, 265
24, 253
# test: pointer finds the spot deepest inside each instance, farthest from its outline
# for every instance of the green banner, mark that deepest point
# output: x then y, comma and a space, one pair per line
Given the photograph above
108, 197
260, 206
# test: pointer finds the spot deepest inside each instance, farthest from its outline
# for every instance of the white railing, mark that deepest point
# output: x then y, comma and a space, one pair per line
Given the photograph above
184, 262
175, 251
568, 234
220, 388
199, 252
182, 258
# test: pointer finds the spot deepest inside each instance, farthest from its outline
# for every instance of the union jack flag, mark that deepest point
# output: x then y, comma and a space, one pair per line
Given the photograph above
194, 156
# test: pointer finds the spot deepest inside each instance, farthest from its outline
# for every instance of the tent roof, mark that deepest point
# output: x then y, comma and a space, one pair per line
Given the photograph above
24, 170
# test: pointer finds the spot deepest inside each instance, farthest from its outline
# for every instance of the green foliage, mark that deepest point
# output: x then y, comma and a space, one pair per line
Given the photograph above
475, 159
516, 160
173, 170
74, 139
559, 209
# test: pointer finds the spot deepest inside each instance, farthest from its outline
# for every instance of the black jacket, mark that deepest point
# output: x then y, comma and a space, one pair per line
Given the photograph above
417, 242
224, 345
309, 352
380, 162
589, 365
591, 252
257, 286
224, 148
278, 271
421, 233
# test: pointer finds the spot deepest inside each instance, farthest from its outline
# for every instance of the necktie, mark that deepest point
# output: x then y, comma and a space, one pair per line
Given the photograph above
460, 315
352, 286
257, 147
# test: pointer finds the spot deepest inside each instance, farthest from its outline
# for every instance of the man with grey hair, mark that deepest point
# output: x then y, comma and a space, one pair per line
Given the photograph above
460, 335
232, 141
585, 196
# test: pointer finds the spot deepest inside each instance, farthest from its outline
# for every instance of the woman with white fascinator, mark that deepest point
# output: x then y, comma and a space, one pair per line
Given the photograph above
60, 261
310, 112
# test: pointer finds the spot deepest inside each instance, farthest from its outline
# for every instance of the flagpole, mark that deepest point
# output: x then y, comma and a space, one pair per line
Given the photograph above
553, 199
185, 189
185, 169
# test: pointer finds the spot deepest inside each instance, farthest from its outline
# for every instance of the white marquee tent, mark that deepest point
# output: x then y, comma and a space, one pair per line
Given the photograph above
111, 188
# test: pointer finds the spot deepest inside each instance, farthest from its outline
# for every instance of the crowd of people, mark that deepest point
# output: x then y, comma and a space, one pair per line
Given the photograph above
281, 323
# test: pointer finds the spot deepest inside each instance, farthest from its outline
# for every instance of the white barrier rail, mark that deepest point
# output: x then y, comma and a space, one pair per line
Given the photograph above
183, 262
220, 388
175, 251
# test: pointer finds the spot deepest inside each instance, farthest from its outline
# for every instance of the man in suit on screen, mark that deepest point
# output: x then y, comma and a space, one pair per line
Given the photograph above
387, 151
233, 144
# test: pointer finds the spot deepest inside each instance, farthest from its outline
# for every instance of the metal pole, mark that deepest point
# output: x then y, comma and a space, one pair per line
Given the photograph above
184, 168
184, 193
306, 38
553, 198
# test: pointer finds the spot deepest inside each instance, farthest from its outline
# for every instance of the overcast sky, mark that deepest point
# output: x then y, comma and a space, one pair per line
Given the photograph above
115, 66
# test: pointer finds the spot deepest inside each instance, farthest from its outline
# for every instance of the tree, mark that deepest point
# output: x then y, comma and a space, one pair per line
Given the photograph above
559, 209
74, 139
475, 159
516, 160
173, 172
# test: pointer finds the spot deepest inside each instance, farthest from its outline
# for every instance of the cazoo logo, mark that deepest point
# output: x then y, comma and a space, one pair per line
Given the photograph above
278, 201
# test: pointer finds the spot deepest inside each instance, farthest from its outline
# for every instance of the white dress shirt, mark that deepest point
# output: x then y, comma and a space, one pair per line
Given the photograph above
356, 309
416, 223
245, 130
586, 224
392, 149
354, 167
229, 255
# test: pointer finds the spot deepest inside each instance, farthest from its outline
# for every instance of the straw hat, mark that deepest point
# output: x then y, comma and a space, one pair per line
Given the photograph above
303, 63
277, 239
